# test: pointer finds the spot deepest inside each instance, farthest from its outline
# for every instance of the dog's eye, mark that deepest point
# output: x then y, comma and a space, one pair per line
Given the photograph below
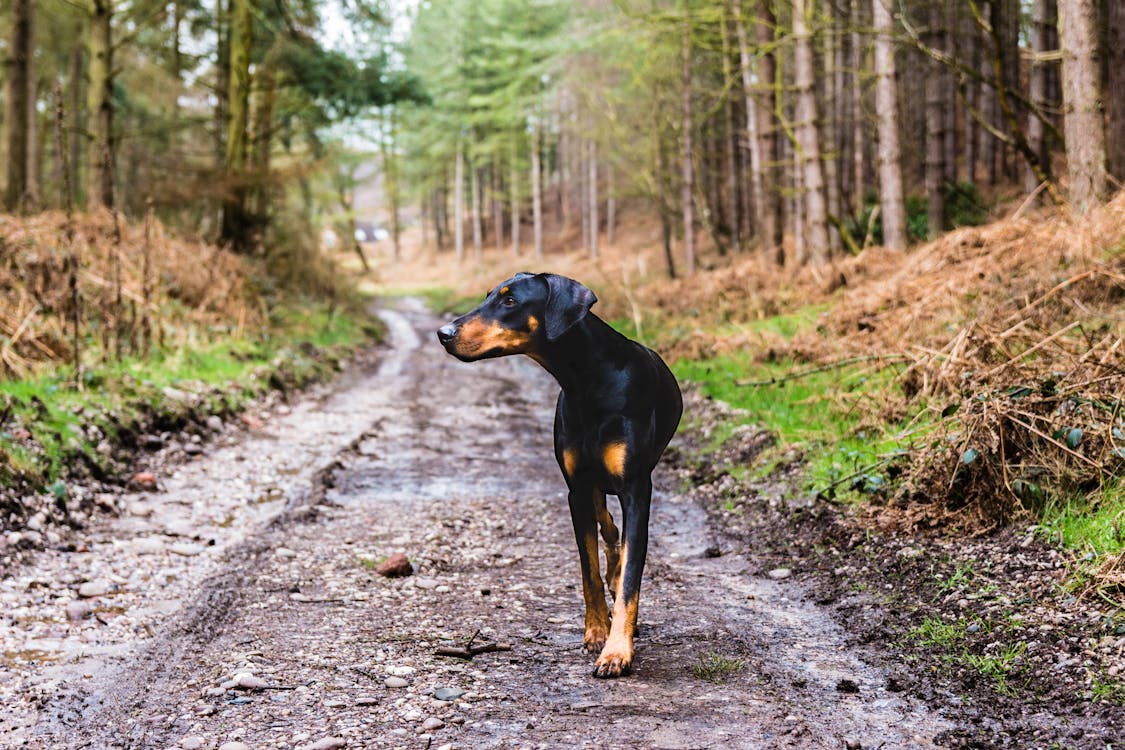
508, 302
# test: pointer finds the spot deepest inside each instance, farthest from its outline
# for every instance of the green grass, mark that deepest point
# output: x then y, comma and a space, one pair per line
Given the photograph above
935, 631
60, 426
714, 667
821, 411
1094, 524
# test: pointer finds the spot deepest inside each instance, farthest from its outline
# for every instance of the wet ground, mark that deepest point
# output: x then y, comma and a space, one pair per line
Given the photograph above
241, 605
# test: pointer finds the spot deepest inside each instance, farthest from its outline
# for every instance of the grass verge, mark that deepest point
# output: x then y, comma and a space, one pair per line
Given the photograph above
52, 433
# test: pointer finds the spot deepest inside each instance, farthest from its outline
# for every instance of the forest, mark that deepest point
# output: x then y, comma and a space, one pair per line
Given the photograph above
246, 500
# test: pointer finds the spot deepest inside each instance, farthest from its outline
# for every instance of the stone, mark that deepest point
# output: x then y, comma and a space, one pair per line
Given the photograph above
401, 671
328, 743
284, 552
425, 583
186, 549
395, 682
152, 442
249, 681
395, 566
191, 743
448, 694
214, 423
780, 574
193, 449
432, 723
90, 589
144, 480
234, 746
77, 610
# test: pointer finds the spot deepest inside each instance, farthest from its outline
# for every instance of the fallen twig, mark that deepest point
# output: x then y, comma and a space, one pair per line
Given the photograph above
889, 359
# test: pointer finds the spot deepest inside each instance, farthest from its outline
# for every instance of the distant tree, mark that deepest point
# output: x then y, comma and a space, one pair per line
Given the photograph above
1084, 126
19, 105
891, 200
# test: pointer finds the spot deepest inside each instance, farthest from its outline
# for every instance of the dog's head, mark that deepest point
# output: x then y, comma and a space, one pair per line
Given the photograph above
517, 317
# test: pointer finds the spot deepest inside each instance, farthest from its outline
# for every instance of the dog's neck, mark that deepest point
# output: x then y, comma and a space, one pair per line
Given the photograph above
569, 358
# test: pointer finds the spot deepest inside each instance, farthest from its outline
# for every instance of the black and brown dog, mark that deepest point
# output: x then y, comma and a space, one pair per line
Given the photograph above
619, 407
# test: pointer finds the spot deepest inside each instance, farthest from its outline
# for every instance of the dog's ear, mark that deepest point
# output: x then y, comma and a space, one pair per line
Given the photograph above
567, 303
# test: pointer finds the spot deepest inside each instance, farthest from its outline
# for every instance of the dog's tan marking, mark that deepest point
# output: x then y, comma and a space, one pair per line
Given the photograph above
478, 337
532, 323
597, 614
570, 461
616, 658
613, 458
505, 290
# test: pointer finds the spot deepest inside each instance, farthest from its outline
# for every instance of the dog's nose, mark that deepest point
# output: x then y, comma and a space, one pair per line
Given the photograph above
446, 333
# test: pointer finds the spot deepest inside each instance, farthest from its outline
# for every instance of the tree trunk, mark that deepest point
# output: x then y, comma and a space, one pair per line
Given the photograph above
474, 185
832, 90
988, 106
514, 199
935, 131
459, 202
769, 135
18, 112
687, 189
859, 142
593, 194
390, 182
77, 194
536, 191
1083, 126
263, 139
235, 224
583, 190
222, 76
99, 104
808, 139
730, 164
1115, 89
891, 201
610, 206
1041, 20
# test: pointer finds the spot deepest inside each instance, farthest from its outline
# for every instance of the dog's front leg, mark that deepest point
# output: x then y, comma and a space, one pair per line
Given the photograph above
582, 504
616, 658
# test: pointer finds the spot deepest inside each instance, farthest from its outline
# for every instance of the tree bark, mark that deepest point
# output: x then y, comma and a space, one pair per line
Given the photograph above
1083, 125
459, 202
1115, 89
514, 200
592, 148
474, 186
987, 148
769, 134
730, 165
687, 189
891, 201
935, 131
1042, 18
77, 193
610, 206
18, 110
808, 139
859, 140
536, 191
99, 104
235, 224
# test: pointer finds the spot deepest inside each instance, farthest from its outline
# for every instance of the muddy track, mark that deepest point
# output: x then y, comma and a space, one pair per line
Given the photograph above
450, 463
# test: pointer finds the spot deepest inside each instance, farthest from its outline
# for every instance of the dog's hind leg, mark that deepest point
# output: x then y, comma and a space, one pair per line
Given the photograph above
583, 499
616, 658
612, 540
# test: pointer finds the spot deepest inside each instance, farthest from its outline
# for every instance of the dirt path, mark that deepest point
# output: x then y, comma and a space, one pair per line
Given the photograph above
257, 561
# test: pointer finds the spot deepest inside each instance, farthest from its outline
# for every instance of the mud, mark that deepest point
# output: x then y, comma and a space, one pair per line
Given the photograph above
450, 463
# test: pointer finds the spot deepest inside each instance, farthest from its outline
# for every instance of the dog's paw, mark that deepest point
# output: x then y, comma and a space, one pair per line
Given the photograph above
615, 660
594, 640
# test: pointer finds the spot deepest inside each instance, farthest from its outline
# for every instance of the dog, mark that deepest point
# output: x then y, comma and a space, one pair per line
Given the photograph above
619, 407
